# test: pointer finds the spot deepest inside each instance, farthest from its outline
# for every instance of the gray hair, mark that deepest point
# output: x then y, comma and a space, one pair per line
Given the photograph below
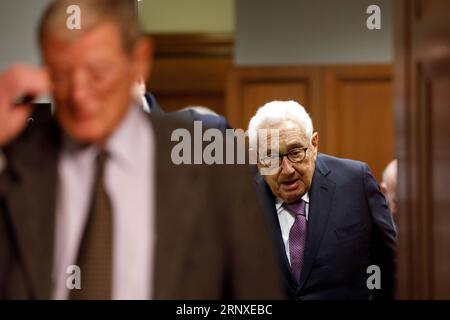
123, 13
276, 112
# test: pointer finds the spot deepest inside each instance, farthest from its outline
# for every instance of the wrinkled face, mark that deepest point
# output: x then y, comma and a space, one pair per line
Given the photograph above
292, 180
92, 78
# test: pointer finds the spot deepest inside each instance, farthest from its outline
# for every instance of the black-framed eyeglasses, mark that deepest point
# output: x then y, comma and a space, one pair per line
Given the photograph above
294, 155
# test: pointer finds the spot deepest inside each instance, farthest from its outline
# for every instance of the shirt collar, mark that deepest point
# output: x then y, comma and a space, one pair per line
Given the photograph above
121, 144
145, 105
279, 202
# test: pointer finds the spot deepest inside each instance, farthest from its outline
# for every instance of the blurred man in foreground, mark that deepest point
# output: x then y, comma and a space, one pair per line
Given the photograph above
95, 190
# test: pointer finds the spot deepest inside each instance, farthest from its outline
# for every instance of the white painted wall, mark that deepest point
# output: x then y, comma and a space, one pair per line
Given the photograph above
18, 23
282, 32
187, 16
267, 32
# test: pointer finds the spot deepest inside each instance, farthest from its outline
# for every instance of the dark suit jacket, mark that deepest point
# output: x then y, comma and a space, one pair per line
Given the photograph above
209, 120
349, 228
154, 106
211, 241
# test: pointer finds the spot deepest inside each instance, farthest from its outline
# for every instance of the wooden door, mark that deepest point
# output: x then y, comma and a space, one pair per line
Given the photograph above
422, 110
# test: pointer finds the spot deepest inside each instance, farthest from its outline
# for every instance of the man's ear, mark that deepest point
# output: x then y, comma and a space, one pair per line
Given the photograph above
315, 141
143, 58
383, 188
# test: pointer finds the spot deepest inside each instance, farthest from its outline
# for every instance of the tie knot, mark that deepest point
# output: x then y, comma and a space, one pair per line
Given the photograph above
101, 158
100, 162
296, 208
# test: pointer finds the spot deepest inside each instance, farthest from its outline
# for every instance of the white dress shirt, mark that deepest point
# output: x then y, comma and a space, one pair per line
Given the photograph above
129, 181
286, 220
145, 105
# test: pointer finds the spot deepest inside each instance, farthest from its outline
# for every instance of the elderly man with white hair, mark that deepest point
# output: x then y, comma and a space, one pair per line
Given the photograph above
334, 231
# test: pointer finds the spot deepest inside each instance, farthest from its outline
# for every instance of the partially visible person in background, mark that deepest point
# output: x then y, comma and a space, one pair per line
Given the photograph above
202, 110
209, 118
146, 99
389, 186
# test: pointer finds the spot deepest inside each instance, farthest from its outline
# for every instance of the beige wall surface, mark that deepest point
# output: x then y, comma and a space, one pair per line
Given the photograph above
289, 32
181, 16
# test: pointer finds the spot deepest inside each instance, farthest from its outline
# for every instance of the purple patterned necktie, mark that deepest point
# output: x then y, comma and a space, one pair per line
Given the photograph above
297, 237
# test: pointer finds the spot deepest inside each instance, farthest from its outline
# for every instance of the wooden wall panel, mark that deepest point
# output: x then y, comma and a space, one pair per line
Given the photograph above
191, 69
440, 177
249, 88
351, 106
358, 118
180, 82
256, 94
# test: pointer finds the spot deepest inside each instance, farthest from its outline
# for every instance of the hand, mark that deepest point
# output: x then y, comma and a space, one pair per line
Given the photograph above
18, 80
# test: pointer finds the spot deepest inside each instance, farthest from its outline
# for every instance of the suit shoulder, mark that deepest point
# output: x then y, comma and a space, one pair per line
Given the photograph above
342, 164
210, 121
169, 121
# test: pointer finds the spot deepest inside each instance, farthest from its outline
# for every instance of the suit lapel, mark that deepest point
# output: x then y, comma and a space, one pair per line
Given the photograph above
31, 200
175, 220
154, 106
321, 196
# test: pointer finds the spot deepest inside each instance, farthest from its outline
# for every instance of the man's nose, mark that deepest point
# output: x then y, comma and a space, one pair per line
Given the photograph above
79, 87
286, 166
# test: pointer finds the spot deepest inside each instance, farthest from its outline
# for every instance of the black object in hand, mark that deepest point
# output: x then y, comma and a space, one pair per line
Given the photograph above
26, 99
